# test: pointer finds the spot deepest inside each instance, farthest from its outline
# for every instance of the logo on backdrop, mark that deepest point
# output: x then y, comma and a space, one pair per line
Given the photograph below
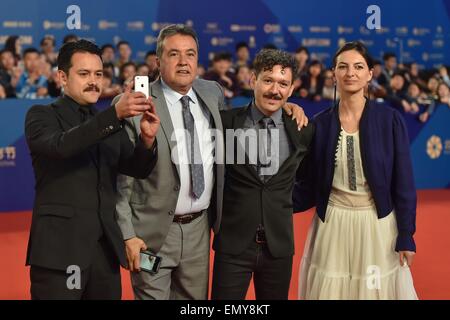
47, 24
105, 24
17, 24
7, 156
434, 147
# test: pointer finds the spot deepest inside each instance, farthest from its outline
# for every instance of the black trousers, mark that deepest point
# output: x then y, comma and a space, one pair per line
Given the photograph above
232, 274
100, 281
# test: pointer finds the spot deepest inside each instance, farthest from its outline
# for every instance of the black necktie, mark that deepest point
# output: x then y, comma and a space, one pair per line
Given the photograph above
195, 159
264, 147
86, 113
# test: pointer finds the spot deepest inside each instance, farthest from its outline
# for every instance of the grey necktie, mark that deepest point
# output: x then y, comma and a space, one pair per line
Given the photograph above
265, 143
195, 160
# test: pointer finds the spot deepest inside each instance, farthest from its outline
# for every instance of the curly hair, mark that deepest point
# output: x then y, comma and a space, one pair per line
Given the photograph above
266, 59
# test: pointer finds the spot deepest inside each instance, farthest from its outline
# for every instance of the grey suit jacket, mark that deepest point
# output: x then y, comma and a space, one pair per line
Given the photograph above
145, 208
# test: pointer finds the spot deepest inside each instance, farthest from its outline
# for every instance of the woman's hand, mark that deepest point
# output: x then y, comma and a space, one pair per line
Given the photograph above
406, 257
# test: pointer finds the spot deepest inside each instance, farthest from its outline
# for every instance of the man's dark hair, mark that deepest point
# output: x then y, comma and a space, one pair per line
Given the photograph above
70, 38
6, 50
172, 30
301, 49
241, 44
315, 62
120, 43
219, 56
270, 46
107, 46
266, 59
30, 50
125, 65
357, 46
242, 66
107, 74
398, 74
388, 55
140, 65
376, 63
51, 38
107, 65
69, 49
10, 44
150, 53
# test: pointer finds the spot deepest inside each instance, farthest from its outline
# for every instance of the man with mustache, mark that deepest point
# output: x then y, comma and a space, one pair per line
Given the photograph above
172, 212
256, 237
75, 247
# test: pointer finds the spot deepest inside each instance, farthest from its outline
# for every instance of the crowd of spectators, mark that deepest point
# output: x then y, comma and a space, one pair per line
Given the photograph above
32, 74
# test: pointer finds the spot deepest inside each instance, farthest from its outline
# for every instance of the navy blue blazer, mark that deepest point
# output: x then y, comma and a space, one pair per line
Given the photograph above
386, 160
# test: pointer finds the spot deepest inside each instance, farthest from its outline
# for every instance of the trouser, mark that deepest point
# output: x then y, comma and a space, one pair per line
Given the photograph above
101, 280
232, 274
184, 269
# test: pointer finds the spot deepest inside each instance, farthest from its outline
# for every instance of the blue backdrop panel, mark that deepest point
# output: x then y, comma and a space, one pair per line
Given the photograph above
430, 149
414, 30
16, 173
421, 35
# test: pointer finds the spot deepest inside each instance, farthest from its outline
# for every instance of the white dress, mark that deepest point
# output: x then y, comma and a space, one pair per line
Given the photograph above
352, 254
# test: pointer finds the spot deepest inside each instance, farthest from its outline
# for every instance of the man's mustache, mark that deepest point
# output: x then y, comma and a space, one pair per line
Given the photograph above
92, 88
273, 96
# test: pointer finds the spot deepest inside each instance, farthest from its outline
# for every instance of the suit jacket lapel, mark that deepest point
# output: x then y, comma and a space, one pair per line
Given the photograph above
210, 103
66, 113
71, 118
294, 138
165, 120
292, 131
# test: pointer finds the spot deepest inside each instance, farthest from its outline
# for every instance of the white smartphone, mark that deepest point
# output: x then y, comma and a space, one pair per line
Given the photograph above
141, 85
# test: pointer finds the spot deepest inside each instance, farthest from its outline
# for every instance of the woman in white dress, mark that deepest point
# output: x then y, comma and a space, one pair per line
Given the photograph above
360, 243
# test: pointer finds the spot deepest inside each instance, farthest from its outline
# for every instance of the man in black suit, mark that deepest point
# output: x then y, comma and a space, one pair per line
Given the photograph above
76, 247
256, 236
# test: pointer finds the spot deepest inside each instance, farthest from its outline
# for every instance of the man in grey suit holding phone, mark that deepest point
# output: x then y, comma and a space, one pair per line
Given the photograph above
170, 213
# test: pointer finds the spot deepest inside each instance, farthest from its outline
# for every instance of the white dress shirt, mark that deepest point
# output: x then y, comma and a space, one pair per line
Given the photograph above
186, 202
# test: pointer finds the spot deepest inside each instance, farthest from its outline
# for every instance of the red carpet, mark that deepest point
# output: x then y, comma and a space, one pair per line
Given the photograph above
430, 268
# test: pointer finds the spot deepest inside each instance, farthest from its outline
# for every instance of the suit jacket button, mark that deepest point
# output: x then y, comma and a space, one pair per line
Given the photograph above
171, 212
176, 188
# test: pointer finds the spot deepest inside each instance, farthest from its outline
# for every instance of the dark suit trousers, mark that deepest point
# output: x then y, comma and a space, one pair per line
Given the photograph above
101, 280
232, 274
